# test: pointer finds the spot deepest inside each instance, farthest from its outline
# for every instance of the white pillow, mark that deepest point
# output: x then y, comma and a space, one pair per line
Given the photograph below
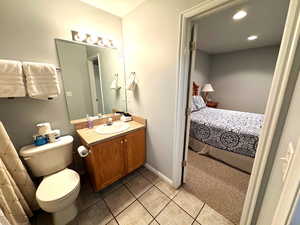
194, 107
199, 102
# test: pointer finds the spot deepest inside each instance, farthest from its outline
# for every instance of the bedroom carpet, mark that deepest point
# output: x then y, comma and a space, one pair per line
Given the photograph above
217, 184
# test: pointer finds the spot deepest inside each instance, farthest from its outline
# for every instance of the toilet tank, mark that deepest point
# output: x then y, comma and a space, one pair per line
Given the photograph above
49, 158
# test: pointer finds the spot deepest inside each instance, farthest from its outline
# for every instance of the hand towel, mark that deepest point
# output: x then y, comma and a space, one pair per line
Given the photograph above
41, 80
114, 84
11, 79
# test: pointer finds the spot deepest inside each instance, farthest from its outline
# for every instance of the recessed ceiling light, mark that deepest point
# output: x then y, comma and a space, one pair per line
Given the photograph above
239, 15
252, 37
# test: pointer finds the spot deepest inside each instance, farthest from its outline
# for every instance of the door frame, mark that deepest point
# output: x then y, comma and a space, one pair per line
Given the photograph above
92, 84
274, 105
193, 52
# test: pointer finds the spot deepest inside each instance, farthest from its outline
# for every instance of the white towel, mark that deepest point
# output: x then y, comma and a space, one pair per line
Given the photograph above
41, 80
115, 84
11, 79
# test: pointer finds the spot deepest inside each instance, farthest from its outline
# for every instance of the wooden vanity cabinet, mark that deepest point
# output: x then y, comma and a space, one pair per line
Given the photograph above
135, 150
111, 160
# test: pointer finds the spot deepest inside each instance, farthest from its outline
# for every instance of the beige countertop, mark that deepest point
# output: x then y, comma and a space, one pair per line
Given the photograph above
91, 137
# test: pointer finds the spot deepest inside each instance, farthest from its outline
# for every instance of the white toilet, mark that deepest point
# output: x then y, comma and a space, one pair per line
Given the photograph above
60, 186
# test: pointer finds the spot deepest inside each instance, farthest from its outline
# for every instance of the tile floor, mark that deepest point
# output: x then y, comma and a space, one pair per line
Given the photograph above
141, 198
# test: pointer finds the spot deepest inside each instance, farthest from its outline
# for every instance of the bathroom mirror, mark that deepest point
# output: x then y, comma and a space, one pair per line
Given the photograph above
93, 78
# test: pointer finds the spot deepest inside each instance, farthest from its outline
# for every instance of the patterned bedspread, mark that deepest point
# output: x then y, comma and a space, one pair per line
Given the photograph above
228, 130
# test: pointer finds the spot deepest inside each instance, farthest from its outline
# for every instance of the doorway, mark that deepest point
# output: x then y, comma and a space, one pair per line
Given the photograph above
269, 127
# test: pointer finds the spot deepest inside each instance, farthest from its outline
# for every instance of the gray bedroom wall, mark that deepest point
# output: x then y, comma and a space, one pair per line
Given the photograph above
201, 70
242, 79
28, 29
296, 215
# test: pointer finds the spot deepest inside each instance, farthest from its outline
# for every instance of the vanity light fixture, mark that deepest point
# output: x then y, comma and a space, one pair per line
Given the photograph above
92, 39
239, 15
79, 36
252, 37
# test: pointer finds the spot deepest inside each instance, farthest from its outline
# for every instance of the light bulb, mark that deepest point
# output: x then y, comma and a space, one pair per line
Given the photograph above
80, 36
239, 15
106, 42
252, 37
92, 39
100, 42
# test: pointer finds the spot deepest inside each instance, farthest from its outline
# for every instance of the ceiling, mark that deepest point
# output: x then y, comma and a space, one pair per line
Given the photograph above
116, 7
219, 33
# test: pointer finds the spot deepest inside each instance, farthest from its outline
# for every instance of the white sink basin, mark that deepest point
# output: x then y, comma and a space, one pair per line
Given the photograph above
116, 127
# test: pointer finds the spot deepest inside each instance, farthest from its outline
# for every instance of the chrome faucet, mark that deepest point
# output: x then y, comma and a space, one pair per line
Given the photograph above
109, 121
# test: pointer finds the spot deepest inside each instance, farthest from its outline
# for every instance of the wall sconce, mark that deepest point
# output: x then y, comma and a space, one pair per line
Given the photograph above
92, 39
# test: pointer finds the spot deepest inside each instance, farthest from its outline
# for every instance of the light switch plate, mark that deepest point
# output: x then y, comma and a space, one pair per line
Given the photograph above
286, 161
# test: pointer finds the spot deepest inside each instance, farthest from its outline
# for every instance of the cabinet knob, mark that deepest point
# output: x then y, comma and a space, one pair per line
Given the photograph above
122, 142
125, 140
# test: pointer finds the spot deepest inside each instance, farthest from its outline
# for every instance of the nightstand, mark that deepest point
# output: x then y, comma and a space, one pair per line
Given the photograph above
212, 104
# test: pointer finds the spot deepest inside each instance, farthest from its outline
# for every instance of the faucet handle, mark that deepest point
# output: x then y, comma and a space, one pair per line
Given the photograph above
109, 121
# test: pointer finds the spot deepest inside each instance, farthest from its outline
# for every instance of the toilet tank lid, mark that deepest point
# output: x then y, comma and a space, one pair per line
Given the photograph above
30, 150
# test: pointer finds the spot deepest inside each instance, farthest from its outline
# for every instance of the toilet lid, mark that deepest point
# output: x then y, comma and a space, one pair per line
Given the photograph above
58, 185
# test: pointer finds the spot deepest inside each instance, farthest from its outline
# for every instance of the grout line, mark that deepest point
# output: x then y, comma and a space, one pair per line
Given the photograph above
136, 199
162, 209
141, 202
171, 199
114, 218
184, 209
199, 213
165, 193
161, 191
151, 185
154, 185
148, 178
111, 191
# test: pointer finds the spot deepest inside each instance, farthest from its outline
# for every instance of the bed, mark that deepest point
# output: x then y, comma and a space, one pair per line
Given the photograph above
229, 136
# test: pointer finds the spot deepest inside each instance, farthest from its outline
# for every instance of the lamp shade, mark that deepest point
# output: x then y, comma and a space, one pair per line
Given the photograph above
207, 88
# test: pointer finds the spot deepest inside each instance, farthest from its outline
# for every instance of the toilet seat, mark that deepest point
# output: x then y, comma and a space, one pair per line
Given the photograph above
58, 189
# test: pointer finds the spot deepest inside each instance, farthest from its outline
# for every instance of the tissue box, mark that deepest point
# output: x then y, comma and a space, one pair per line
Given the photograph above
126, 118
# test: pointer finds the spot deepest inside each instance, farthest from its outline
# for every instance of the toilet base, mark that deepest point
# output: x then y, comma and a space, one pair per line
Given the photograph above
66, 215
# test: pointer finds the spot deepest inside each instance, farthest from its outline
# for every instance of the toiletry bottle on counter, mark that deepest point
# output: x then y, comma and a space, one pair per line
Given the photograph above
90, 123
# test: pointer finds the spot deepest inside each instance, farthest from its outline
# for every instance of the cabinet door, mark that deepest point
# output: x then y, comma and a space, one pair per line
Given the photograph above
135, 148
109, 162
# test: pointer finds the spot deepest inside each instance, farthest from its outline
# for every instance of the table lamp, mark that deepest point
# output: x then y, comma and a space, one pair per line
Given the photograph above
207, 89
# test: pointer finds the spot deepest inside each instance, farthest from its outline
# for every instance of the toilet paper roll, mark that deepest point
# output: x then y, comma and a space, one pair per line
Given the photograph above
83, 151
43, 128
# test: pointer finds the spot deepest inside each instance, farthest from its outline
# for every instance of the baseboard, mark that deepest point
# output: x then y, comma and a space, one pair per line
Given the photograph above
162, 176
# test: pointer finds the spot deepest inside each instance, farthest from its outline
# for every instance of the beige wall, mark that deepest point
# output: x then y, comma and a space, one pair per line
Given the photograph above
28, 29
151, 39
242, 79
